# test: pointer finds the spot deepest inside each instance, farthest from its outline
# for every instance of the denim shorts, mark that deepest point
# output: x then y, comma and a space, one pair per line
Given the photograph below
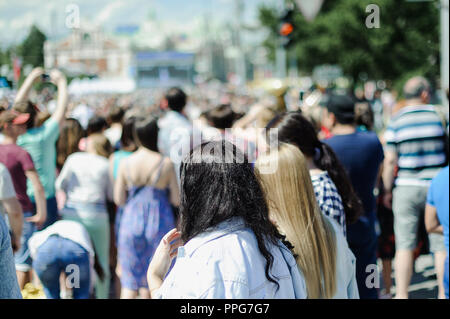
408, 206
22, 257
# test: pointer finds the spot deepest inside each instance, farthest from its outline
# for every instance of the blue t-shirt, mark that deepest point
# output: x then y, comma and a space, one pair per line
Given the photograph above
361, 153
438, 198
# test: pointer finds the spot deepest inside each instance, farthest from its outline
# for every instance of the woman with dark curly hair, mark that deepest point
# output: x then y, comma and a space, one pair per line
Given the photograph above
231, 248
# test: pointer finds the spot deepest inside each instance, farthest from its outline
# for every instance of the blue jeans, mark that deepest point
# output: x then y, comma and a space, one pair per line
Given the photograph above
22, 257
94, 217
446, 276
9, 287
59, 254
362, 240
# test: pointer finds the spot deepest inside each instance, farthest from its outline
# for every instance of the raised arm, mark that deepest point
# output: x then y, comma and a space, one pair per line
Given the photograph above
24, 91
60, 81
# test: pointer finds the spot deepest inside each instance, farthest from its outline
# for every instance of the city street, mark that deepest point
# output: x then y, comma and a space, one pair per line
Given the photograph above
424, 281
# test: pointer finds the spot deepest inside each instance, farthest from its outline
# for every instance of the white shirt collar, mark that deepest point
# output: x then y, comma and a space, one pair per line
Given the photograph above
226, 227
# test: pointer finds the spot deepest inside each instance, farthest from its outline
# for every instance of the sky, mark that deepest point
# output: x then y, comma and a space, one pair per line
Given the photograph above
17, 16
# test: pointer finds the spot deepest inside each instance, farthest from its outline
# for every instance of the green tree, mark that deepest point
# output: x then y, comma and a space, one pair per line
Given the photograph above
5, 56
32, 48
406, 43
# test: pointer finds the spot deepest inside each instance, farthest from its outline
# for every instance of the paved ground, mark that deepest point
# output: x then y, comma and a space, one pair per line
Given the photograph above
424, 281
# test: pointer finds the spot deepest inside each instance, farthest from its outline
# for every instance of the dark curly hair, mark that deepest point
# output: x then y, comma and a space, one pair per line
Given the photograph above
217, 185
294, 128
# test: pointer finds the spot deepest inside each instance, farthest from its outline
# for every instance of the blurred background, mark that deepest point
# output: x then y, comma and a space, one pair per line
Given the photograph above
289, 48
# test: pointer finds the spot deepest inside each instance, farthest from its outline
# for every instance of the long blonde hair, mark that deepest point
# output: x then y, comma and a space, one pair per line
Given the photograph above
293, 207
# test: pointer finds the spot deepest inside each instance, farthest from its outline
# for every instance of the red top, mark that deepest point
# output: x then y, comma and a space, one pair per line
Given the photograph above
17, 161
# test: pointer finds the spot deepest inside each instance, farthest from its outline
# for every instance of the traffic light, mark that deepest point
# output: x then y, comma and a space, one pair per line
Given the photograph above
287, 27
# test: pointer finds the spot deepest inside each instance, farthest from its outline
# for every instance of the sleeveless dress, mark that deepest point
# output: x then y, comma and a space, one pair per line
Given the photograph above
146, 217
118, 157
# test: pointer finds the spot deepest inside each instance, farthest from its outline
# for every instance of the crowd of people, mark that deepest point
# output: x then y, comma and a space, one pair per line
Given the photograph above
219, 195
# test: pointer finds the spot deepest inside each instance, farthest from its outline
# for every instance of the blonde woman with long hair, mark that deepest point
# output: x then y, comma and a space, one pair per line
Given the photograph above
321, 250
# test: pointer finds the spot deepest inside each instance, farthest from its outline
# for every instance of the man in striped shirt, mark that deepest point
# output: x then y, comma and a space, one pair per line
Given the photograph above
415, 142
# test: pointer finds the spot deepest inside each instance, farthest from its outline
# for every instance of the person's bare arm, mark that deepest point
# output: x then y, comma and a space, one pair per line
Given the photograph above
120, 191
24, 91
39, 194
15, 217
432, 223
59, 79
111, 167
380, 174
389, 164
173, 186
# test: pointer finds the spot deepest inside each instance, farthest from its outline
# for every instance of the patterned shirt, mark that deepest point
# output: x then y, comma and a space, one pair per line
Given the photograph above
328, 198
416, 135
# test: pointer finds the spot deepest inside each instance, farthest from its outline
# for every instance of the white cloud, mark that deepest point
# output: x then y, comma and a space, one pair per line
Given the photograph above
22, 22
173, 15
107, 12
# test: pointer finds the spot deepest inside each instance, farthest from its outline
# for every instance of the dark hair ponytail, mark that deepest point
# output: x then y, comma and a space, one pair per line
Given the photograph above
295, 129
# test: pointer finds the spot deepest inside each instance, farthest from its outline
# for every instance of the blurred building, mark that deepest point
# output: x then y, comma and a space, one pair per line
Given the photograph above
164, 69
89, 52
208, 50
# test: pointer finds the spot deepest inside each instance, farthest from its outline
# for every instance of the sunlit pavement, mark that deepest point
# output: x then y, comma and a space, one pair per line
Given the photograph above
423, 283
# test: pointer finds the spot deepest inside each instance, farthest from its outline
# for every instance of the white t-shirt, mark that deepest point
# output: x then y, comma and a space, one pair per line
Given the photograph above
85, 179
6, 184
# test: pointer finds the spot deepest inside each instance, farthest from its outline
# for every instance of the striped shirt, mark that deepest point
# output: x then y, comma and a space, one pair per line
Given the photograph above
416, 135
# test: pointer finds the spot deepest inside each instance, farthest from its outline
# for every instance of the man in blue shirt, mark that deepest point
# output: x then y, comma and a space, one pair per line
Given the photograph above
361, 153
436, 216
